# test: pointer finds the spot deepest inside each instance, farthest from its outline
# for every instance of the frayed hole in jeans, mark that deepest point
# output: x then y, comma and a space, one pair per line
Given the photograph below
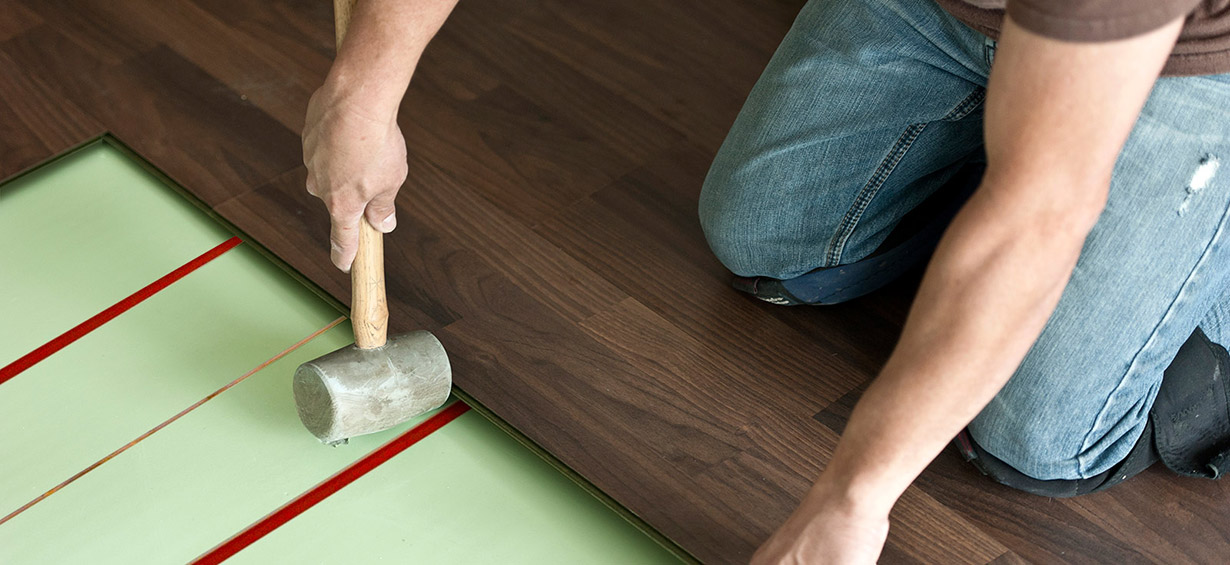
1200, 180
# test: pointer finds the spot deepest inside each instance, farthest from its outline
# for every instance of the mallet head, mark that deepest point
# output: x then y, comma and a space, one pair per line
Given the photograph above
354, 391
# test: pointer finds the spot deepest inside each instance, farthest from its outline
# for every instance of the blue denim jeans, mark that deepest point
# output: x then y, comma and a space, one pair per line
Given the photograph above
869, 106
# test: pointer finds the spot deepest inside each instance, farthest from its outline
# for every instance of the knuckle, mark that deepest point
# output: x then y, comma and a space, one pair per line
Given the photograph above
343, 226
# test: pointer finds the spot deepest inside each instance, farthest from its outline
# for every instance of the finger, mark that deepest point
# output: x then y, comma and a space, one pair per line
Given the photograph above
382, 212
344, 238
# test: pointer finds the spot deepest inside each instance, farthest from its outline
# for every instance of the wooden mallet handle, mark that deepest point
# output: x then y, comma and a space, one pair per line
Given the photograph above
369, 312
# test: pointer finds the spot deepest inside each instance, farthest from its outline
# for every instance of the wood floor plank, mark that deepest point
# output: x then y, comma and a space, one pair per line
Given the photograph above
266, 77
196, 129
1167, 520
623, 250
502, 117
295, 227
599, 409
1040, 530
679, 85
918, 520
17, 18
94, 27
437, 220
768, 459
1009, 558
36, 123
523, 157
1095, 528
629, 131
660, 199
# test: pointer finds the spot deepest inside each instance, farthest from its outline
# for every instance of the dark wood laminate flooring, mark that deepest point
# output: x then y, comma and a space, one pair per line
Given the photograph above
548, 236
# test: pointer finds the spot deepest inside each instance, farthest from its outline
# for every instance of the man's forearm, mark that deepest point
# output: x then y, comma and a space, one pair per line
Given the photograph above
382, 49
992, 284
1057, 115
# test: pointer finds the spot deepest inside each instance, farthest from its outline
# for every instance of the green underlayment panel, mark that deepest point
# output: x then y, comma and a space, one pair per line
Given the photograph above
143, 367
468, 493
83, 233
420, 508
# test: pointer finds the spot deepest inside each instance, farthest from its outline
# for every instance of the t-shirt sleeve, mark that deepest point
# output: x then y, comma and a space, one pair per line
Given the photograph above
1096, 20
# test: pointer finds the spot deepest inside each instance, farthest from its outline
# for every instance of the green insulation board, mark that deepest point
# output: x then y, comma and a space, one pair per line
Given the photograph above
84, 231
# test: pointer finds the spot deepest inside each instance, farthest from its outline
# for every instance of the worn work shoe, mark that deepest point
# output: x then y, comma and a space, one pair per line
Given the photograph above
834, 285
910, 245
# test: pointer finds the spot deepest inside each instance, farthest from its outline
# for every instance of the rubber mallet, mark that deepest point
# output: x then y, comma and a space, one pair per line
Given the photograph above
377, 383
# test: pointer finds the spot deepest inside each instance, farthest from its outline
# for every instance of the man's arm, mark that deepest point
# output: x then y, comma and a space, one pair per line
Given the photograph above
353, 149
1057, 116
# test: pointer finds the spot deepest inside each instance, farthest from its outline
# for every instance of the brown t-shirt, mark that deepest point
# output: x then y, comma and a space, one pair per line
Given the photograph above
1203, 47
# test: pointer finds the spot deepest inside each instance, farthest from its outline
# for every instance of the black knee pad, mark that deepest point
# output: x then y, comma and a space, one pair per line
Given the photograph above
1188, 429
1191, 416
1142, 456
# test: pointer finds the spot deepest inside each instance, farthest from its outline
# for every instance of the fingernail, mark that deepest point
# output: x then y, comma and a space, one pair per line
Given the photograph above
389, 223
335, 255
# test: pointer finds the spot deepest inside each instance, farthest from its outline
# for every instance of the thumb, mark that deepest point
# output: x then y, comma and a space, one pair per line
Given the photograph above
382, 212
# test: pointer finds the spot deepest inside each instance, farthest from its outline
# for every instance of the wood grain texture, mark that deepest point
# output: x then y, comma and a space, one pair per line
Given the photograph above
1154, 517
240, 54
35, 122
548, 235
201, 132
16, 20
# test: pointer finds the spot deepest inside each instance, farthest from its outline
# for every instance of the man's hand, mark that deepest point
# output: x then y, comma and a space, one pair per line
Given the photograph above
354, 152
827, 528
356, 163
1057, 116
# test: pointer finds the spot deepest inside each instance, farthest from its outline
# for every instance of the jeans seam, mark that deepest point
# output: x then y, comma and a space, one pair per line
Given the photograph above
869, 190
967, 106
851, 219
1214, 241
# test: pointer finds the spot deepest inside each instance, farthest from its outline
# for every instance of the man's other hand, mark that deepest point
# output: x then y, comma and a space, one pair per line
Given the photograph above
830, 527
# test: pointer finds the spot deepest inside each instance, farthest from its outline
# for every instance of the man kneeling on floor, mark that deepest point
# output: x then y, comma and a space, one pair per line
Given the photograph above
1068, 326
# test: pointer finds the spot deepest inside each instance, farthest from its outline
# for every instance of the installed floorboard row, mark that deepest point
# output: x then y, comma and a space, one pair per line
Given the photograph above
448, 230
197, 129
679, 86
277, 82
35, 121
1158, 518
548, 233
